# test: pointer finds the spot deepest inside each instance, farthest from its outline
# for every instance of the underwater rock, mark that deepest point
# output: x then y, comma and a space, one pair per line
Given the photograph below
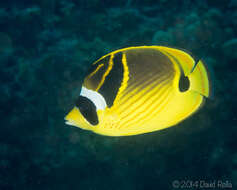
3, 15
230, 48
67, 7
213, 14
6, 48
163, 38
235, 159
233, 3
26, 14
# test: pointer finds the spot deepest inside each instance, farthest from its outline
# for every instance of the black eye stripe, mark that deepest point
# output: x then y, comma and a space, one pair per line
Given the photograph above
87, 109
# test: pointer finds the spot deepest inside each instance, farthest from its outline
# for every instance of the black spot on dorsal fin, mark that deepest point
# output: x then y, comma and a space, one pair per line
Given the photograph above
184, 83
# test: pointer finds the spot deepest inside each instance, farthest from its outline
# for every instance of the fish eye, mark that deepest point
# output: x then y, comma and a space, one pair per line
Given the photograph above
87, 109
184, 83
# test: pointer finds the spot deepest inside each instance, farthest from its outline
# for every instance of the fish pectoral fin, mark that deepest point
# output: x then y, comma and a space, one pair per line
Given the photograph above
199, 79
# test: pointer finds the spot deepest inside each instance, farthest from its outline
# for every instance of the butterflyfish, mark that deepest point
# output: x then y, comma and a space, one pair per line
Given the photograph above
141, 89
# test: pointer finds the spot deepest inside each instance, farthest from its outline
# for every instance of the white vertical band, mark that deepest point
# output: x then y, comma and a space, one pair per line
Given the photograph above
95, 97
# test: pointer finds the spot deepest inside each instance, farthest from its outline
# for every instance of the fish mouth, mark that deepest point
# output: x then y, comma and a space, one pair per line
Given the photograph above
69, 122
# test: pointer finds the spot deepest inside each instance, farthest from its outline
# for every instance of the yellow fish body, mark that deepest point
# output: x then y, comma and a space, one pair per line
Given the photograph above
139, 90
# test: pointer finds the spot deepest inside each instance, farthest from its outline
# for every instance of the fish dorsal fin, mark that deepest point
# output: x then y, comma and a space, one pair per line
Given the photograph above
184, 59
199, 79
194, 70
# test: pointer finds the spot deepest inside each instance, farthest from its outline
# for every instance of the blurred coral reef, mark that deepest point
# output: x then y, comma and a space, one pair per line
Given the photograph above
46, 47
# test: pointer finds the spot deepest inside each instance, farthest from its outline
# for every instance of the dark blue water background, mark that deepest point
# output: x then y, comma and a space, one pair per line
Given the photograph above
46, 46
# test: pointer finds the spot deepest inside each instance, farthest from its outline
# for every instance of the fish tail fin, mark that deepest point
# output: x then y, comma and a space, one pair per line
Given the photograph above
199, 79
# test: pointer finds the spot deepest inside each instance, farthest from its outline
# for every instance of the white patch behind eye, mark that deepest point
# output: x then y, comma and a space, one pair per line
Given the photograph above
95, 97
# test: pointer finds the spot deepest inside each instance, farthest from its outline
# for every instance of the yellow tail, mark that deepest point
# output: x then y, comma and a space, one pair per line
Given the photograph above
199, 79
